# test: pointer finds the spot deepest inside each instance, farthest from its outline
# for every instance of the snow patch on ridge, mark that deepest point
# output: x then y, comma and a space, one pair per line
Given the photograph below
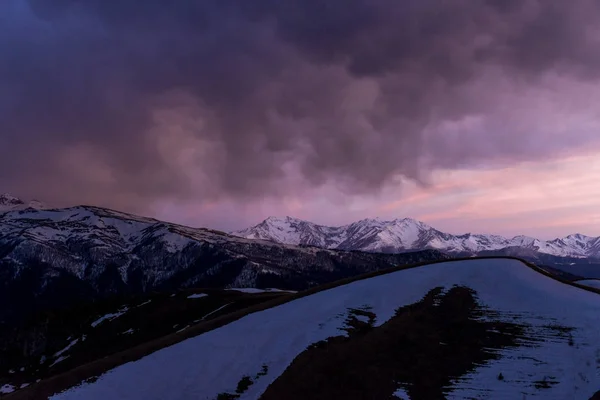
109, 317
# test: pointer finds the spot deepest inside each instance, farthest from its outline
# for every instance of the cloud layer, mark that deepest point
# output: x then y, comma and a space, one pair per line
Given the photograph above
124, 105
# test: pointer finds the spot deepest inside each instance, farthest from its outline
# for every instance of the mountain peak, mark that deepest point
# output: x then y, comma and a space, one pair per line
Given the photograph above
38, 205
578, 236
376, 220
272, 218
407, 219
288, 230
396, 221
8, 199
8, 202
282, 220
410, 221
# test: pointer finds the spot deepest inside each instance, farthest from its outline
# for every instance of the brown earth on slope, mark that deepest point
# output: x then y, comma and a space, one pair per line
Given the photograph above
421, 349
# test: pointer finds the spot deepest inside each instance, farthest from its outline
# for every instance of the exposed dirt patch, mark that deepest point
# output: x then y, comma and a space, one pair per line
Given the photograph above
354, 325
243, 385
545, 383
421, 349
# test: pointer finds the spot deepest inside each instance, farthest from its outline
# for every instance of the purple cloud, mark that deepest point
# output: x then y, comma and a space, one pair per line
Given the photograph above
127, 106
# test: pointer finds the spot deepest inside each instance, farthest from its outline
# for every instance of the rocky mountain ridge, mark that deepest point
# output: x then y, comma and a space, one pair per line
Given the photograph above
9, 202
407, 234
54, 257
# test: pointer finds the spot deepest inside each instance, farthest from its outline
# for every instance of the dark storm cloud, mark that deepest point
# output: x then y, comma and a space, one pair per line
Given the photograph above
340, 90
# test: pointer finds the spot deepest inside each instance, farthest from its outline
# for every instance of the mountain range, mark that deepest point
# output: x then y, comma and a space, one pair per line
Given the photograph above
406, 234
90, 257
57, 257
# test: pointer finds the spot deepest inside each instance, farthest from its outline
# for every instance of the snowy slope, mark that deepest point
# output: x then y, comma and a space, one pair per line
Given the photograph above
409, 234
207, 365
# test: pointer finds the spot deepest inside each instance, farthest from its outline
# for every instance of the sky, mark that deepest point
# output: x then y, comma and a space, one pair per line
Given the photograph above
470, 116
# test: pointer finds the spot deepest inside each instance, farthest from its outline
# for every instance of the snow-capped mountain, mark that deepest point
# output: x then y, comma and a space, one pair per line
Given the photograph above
407, 234
477, 329
9, 202
57, 256
294, 231
367, 234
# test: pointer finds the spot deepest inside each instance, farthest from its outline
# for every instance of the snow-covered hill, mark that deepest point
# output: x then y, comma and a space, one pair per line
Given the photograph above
408, 234
461, 329
59, 256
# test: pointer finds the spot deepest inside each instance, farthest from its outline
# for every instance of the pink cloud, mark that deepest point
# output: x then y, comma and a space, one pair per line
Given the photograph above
545, 199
